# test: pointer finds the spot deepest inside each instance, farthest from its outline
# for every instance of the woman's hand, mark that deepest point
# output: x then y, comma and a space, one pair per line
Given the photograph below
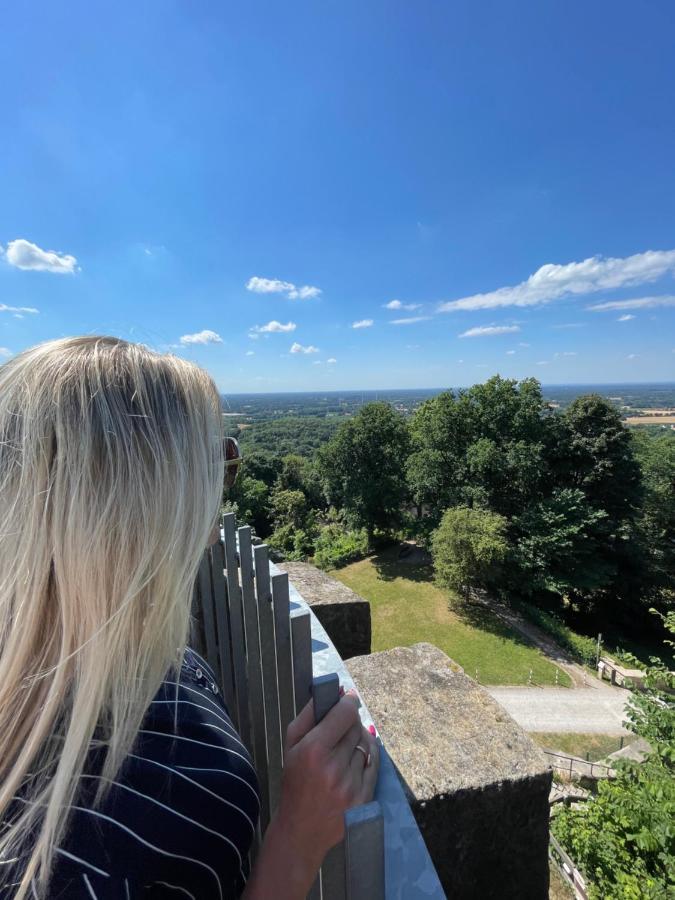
324, 775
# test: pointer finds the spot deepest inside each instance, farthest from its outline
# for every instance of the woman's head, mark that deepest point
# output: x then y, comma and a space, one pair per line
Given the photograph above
111, 472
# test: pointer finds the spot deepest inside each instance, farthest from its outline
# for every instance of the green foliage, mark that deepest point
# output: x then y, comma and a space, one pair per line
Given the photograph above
291, 542
556, 545
362, 468
656, 524
288, 508
301, 435
468, 548
336, 547
624, 838
483, 446
579, 646
249, 498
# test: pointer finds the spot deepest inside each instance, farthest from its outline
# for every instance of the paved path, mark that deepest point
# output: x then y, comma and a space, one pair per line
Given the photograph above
584, 710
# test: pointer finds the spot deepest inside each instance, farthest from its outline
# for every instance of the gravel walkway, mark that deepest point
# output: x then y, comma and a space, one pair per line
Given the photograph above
583, 711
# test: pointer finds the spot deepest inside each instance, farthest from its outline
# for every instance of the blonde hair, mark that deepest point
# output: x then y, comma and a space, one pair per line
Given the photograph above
111, 475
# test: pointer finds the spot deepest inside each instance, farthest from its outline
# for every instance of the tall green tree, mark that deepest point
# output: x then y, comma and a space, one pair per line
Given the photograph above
468, 548
363, 468
479, 447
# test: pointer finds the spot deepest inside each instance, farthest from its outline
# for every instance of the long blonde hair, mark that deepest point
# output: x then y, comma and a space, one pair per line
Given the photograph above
110, 481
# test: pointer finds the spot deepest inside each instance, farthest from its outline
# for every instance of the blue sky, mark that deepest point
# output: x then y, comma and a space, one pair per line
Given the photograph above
241, 183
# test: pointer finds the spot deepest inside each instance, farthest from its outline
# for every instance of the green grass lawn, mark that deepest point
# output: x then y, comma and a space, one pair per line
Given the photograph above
597, 746
407, 608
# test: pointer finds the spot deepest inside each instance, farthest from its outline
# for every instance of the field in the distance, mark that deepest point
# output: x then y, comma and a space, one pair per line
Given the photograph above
407, 608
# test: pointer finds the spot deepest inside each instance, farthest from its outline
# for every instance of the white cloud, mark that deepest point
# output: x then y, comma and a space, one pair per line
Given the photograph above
27, 256
542, 362
489, 330
632, 356
410, 320
565, 353
274, 327
638, 303
250, 353
5, 352
510, 352
569, 325
331, 361
202, 337
552, 281
18, 310
298, 348
275, 286
363, 323
625, 318
317, 362
523, 344
397, 304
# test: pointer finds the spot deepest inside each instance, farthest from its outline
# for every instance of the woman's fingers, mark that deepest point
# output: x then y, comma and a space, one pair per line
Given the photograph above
301, 725
344, 750
370, 773
338, 721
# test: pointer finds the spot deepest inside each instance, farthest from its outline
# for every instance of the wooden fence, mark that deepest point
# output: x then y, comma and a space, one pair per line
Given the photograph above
263, 658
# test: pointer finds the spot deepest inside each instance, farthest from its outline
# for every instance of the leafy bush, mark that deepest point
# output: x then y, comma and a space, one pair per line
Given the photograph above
468, 548
336, 547
582, 648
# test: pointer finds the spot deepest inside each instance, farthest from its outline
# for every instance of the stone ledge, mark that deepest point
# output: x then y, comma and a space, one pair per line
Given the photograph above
477, 784
344, 615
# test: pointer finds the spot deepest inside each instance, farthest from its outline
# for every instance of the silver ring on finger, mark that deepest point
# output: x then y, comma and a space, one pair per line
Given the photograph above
366, 755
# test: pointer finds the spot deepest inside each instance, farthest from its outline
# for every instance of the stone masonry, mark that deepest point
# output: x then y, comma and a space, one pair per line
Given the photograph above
344, 615
477, 784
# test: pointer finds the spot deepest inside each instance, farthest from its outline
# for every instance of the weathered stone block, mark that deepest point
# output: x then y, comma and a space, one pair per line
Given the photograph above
477, 784
344, 615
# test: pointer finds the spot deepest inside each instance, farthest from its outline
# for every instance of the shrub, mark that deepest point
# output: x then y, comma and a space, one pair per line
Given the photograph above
581, 647
468, 548
336, 547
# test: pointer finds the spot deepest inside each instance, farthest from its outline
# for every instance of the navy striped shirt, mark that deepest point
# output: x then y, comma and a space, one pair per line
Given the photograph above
180, 816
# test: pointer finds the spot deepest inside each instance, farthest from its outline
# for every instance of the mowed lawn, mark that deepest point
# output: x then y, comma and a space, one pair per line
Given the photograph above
407, 608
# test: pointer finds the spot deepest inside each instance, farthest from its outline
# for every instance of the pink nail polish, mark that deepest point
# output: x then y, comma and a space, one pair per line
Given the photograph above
371, 729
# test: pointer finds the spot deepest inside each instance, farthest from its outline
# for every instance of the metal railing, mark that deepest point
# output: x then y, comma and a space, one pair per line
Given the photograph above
268, 651
574, 765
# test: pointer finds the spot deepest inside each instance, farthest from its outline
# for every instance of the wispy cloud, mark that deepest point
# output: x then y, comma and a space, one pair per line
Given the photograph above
565, 353
398, 304
250, 353
19, 310
410, 320
489, 330
510, 352
632, 356
27, 256
363, 323
274, 327
201, 337
569, 325
552, 281
275, 286
298, 348
5, 352
542, 362
331, 361
625, 318
638, 303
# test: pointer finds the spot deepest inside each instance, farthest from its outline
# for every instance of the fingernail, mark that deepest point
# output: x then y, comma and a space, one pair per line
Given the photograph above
342, 691
371, 729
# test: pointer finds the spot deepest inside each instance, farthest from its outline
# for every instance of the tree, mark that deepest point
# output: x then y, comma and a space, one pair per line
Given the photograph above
556, 543
468, 548
249, 498
363, 468
624, 838
288, 508
479, 447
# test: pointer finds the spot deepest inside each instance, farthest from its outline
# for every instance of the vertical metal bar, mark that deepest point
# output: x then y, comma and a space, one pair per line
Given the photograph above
223, 630
301, 648
269, 670
364, 852
254, 669
197, 637
206, 597
237, 629
282, 641
326, 693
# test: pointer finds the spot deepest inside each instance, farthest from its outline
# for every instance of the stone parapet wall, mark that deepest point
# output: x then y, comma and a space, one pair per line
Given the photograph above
344, 615
478, 786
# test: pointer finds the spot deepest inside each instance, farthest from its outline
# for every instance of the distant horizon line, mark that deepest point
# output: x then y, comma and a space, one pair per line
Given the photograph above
568, 384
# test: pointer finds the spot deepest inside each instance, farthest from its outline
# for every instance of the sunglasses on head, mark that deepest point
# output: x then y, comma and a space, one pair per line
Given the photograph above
233, 460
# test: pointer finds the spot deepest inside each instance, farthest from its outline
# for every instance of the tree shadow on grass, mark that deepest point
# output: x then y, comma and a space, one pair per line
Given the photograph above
389, 567
479, 616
